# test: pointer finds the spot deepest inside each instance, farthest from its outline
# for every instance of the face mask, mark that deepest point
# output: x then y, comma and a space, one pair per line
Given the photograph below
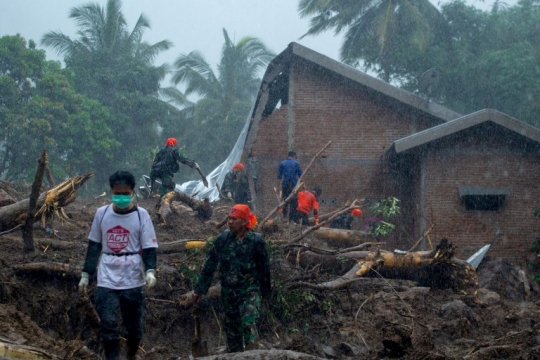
121, 201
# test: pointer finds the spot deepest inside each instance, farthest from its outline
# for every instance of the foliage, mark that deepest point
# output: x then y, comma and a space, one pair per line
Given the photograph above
213, 122
386, 209
113, 65
41, 110
375, 31
487, 60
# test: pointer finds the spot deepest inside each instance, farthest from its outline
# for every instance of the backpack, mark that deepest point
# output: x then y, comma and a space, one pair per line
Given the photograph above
164, 163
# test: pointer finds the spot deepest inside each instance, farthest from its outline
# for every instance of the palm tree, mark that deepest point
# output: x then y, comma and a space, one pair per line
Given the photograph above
374, 30
114, 65
105, 42
224, 98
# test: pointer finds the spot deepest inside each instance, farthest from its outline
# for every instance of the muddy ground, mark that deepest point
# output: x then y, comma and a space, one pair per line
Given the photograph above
370, 319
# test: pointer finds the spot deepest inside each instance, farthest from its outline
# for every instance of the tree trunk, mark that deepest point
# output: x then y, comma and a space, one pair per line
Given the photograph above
339, 235
437, 269
28, 228
203, 208
49, 203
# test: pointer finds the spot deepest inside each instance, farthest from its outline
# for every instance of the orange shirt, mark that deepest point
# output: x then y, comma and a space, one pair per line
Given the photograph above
307, 202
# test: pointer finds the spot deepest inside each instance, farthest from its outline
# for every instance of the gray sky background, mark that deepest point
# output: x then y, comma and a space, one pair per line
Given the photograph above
190, 25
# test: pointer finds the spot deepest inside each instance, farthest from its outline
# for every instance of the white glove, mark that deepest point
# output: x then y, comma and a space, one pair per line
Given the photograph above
196, 166
229, 195
150, 278
83, 284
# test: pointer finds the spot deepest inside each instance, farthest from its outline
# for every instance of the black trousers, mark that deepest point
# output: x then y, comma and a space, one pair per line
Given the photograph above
111, 303
289, 209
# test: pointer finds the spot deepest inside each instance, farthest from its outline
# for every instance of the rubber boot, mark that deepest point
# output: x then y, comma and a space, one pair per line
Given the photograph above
132, 345
112, 349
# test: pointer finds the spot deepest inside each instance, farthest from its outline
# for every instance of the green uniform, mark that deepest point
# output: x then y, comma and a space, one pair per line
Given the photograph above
238, 185
166, 177
244, 273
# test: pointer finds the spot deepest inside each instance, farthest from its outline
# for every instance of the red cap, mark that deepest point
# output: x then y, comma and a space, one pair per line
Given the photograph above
242, 211
356, 213
171, 142
238, 167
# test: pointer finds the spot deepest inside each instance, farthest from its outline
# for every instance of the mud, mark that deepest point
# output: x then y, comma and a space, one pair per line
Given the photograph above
372, 319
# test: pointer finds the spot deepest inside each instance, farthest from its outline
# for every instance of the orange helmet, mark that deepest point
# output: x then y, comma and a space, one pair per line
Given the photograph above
171, 142
238, 167
356, 213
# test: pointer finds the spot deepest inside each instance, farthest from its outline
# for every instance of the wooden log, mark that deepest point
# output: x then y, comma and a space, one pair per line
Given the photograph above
438, 269
343, 235
202, 207
49, 203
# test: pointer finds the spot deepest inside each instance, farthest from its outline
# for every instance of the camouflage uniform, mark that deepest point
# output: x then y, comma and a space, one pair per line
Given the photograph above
167, 182
238, 186
244, 273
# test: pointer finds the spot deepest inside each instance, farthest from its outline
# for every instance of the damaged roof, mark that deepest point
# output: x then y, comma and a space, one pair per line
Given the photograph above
281, 62
463, 123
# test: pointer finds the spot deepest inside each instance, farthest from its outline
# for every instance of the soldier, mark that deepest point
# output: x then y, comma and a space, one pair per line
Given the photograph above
236, 185
165, 165
244, 272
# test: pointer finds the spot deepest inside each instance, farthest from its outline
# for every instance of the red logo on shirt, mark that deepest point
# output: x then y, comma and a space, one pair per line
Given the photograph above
117, 238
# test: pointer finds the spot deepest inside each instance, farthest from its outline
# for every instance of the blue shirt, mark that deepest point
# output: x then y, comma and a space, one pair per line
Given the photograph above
289, 170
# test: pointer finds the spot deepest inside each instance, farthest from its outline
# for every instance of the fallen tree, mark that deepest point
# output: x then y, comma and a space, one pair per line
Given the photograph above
202, 207
437, 269
50, 204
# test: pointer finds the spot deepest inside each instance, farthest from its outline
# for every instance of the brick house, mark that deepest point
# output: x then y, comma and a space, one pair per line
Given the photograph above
471, 179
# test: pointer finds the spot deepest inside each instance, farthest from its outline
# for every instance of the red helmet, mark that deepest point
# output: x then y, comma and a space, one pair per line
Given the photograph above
171, 142
356, 213
238, 167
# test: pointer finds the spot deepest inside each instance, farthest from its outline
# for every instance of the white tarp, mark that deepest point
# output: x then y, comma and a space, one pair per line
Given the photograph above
218, 174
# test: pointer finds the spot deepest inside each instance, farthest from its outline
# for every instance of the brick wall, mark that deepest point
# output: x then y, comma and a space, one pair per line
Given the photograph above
329, 108
362, 126
488, 162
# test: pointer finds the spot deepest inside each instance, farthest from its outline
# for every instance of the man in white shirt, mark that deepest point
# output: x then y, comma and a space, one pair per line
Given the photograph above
122, 239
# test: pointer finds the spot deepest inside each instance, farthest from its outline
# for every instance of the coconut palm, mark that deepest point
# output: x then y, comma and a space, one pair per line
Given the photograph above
113, 64
105, 42
222, 99
237, 79
374, 30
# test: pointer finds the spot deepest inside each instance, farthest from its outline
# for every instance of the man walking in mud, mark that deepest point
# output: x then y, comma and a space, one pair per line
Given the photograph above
244, 272
122, 239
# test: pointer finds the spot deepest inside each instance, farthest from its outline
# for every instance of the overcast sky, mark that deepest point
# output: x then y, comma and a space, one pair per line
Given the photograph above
189, 24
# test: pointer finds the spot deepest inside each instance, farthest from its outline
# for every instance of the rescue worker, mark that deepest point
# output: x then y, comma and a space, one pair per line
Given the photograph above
122, 239
165, 165
289, 172
344, 221
244, 273
236, 185
307, 202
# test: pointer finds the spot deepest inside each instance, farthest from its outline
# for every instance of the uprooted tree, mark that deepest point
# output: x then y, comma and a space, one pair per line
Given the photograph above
50, 203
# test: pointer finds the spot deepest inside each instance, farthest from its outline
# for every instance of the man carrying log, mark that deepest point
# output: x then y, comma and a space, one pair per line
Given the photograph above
166, 164
307, 202
344, 221
236, 185
288, 173
244, 272
123, 240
